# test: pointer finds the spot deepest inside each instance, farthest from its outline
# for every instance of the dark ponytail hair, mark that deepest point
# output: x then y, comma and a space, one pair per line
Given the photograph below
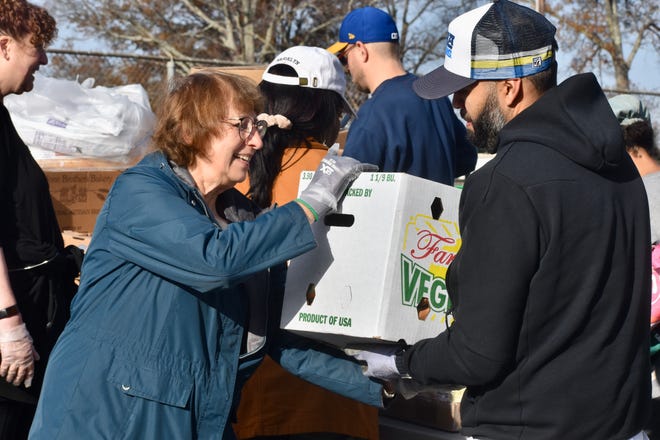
314, 114
640, 134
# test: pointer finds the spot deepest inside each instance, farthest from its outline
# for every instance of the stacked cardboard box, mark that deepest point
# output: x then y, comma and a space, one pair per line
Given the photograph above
252, 72
79, 188
440, 409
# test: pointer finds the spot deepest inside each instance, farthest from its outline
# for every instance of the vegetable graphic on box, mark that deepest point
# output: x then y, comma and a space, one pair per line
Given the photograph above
429, 248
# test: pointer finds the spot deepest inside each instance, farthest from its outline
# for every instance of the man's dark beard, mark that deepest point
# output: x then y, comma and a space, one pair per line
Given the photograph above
487, 126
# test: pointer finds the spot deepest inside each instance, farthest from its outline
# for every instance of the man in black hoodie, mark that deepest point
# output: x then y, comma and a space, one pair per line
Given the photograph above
551, 285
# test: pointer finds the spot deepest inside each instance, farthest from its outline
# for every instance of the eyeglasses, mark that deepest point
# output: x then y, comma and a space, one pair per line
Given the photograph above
246, 126
343, 55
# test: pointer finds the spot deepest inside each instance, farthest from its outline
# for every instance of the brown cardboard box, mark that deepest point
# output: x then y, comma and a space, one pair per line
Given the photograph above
79, 239
252, 72
78, 195
439, 409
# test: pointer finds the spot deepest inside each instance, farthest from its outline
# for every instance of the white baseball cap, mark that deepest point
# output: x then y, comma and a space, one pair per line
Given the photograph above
629, 109
315, 68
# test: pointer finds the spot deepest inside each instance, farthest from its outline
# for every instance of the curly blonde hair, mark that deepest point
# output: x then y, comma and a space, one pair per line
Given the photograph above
20, 18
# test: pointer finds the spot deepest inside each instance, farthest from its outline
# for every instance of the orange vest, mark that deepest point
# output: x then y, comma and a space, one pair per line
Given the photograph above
275, 402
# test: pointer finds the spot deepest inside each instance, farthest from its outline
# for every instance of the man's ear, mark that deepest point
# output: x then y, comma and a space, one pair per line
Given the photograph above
511, 91
363, 52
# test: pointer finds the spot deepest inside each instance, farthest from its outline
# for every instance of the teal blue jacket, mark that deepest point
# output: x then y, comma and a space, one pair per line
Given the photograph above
157, 346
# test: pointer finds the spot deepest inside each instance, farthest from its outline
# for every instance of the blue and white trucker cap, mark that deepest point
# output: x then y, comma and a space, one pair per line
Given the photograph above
499, 40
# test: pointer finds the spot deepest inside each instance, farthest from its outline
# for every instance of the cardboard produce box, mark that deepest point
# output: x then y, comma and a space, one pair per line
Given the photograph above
78, 195
252, 72
438, 409
381, 276
79, 239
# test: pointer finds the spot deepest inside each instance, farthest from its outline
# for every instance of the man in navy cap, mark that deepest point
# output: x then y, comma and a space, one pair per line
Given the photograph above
396, 129
551, 286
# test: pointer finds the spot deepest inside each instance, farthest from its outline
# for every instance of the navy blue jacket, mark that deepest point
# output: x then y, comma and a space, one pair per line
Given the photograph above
401, 132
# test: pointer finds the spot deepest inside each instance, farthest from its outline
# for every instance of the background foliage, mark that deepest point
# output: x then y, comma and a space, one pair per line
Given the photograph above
604, 36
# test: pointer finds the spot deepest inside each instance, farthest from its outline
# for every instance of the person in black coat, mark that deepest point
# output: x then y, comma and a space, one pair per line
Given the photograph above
36, 272
551, 285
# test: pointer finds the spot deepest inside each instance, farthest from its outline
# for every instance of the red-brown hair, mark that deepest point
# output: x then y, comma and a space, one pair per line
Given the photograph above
194, 109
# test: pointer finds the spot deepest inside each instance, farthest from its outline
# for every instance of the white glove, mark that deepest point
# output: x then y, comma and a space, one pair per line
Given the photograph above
17, 356
331, 179
380, 360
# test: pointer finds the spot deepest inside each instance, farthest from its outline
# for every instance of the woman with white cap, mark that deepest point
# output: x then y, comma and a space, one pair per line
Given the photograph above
304, 90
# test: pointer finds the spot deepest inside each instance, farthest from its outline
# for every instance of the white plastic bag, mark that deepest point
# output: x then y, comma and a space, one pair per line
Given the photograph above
66, 117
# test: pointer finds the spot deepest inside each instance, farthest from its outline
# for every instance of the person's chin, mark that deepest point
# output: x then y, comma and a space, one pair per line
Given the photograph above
26, 87
239, 177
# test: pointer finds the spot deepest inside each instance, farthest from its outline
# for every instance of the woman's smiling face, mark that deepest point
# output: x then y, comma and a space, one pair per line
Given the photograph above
25, 59
229, 154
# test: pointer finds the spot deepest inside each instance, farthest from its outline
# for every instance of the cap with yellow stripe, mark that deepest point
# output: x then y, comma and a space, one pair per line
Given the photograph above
499, 40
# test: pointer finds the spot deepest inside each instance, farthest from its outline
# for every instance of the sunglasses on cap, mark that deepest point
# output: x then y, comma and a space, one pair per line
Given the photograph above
343, 55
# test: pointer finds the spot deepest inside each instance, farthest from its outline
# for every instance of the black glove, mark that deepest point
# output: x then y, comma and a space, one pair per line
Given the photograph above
66, 264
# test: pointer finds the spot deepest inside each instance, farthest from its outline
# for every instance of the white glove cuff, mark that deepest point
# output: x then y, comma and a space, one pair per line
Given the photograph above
391, 365
15, 334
